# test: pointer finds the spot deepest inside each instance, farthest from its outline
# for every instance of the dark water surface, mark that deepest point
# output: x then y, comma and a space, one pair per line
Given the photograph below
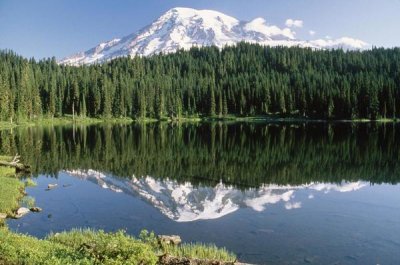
272, 193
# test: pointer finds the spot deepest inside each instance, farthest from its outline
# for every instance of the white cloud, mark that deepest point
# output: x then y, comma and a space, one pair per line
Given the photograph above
294, 205
344, 187
345, 43
259, 203
260, 25
293, 23
312, 32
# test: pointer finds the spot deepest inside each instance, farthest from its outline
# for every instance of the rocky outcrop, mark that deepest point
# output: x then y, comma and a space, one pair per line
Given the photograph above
169, 240
35, 209
21, 212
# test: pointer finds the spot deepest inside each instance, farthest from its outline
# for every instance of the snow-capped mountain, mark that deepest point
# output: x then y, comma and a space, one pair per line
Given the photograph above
183, 28
183, 202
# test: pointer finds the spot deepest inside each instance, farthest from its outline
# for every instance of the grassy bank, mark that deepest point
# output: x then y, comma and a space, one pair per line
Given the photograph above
257, 118
99, 247
65, 120
11, 190
68, 120
288, 118
88, 246
76, 247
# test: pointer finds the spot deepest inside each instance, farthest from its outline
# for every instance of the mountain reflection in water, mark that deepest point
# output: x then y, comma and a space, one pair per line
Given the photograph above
184, 202
272, 193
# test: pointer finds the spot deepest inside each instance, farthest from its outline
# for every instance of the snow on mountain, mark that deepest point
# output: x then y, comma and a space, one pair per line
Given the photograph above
183, 202
183, 28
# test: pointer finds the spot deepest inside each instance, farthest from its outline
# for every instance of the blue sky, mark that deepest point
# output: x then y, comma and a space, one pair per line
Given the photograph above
48, 28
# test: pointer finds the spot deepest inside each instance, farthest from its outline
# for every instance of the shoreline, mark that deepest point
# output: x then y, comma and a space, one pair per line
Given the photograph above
67, 120
88, 246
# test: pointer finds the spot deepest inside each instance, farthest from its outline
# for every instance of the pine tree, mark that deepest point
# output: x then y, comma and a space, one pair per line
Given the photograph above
142, 104
282, 103
331, 108
225, 109
106, 99
74, 96
4, 99
220, 106
212, 101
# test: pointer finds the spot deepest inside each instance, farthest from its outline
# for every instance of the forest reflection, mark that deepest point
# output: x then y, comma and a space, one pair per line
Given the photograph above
243, 155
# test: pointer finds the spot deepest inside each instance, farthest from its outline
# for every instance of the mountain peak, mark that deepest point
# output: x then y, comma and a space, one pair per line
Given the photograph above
194, 17
187, 12
183, 28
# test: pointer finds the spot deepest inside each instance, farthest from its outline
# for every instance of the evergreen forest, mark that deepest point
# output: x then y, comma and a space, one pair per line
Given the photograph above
242, 80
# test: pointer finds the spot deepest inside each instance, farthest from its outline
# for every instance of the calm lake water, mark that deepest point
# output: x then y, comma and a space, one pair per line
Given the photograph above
272, 193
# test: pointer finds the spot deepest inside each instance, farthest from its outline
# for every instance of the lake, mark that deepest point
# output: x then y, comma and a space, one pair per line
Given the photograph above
283, 193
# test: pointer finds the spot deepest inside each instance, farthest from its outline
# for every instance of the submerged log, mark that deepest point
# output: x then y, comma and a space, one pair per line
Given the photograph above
15, 163
51, 186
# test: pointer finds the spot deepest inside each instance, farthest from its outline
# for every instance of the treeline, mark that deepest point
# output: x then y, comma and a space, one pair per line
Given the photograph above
243, 80
242, 155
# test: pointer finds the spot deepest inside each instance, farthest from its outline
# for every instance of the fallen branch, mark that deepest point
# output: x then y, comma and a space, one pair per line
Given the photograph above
16, 164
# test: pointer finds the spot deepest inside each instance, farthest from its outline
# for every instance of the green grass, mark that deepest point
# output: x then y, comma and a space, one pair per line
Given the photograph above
106, 248
96, 247
7, 125
192, 250
21, 249
387, 120
28, 202
146, 120
30, 183
200, 251
65, 120
10, 190
76, 247
5, 158
68, 120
